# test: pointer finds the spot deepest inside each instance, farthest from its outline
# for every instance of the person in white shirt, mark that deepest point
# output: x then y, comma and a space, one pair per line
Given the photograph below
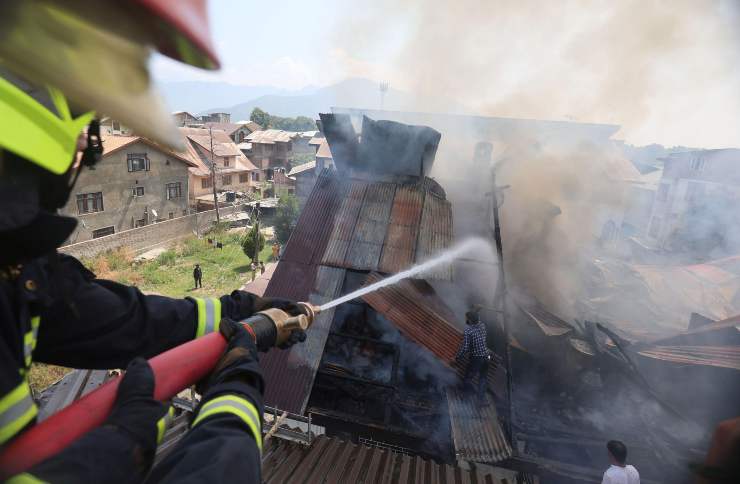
619, 472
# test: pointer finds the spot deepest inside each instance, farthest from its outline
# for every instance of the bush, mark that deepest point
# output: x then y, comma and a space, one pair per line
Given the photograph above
119, 259
191, 246
249, 241
217, 229
167, 258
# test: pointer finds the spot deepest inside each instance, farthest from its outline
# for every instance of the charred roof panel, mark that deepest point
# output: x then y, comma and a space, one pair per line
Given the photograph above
344, 225
291, 372
435, 233
717, 356
413, 313
372, 225
399, 249
311, 234
330, 460
476, 432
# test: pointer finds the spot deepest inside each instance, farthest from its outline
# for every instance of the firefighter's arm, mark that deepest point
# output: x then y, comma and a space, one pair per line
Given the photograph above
94, 323
224, 443
122, 449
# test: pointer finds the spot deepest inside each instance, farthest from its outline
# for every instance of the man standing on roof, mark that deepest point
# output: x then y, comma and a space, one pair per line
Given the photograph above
53, 309
474, 344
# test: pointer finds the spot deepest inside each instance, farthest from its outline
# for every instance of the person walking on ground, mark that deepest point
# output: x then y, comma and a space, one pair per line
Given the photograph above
253, 268
474, 343
619, 472
198, 276
262, 267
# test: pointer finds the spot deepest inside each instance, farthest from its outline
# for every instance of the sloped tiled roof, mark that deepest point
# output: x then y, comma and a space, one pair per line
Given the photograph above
198, 150
301, 168
271, 136
113, 143
324, 151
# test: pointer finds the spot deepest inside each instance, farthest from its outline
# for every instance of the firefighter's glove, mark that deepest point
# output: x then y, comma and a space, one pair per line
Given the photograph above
239, 363
136, 412
296, 336
248, 304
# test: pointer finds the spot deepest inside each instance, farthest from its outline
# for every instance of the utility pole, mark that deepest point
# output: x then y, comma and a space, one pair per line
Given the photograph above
213, 177
257, 233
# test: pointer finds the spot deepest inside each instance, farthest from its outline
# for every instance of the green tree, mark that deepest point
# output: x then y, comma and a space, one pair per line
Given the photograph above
260, 117
285, 218
249, 241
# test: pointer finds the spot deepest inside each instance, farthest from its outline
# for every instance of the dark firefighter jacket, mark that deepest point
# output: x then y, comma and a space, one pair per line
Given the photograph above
55, 311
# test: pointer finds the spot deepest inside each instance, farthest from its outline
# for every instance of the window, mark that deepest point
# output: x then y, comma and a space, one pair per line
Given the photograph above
226, 161
90, 202
697, 163
172, 215
206, 183
137, 191
103, 232
116, 126
226, 180
138, 162
184, 212
663, 190
243, 177
255, 176
695, 191
174, 190
140, 223
269, 174
655, 227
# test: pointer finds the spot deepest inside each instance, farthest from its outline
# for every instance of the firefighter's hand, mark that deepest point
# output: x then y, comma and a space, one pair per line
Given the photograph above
296, 336
248, 304
239, 361
286, 305
136, 412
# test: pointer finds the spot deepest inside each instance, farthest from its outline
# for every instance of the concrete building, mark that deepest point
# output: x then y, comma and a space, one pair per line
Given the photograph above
305, 175
184, 118
272, 151
216, 118
694, 204
136, 183
234, 171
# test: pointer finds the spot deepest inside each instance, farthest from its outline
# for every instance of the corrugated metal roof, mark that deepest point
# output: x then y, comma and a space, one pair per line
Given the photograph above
271, 136
291, 373
550, 324
435, 232
344, 225
372, 224
412, 307
400, 243
718, 356
476, 432
311, 234
332, 461
301, 168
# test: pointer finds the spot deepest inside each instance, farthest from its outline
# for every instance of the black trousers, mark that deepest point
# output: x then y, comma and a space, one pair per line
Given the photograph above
198, 281
477, 365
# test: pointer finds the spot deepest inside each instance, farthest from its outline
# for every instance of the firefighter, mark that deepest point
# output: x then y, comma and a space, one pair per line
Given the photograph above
58, 59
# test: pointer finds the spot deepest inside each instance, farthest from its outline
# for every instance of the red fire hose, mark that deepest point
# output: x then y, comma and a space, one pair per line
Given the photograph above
174, 371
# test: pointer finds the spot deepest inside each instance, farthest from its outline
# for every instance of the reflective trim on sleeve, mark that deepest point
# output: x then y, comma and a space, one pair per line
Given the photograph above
25, 478
209, 315
17, 409
241, 407
30, 339
164, 423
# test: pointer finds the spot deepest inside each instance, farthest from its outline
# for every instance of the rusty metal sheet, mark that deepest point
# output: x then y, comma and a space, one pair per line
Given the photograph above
717, 356
399, 250
435, 233
550, 324
291, 373
311, 234
476, 433
344, 225
372, 225
416, 315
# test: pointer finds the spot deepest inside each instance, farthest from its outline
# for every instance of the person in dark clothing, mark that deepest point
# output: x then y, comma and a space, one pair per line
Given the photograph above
262, 267
198, 276
52, 309
474, 344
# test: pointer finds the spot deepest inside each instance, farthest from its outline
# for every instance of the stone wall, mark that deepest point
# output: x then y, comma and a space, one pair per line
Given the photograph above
144, 238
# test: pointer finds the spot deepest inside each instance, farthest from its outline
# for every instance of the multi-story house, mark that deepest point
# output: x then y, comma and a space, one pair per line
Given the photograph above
694, 207
271, 152
238, 132
216, 118
184, 118
137, 182
234, 172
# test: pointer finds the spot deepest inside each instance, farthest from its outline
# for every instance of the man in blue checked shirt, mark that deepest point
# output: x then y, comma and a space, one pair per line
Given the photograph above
474, 343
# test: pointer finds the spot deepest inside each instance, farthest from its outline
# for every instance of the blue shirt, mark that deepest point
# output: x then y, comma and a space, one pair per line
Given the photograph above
474, 340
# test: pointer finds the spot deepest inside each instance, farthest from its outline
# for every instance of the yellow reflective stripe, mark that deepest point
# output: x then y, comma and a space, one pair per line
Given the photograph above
17, 409
164, 423
241, 407
60, 102
25, 478
209, 315
30, 339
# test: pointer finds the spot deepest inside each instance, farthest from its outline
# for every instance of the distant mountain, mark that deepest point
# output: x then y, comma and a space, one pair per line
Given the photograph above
196, 96
357, 93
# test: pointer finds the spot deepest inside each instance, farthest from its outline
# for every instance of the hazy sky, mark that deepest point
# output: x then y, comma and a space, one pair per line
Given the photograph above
667, 71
